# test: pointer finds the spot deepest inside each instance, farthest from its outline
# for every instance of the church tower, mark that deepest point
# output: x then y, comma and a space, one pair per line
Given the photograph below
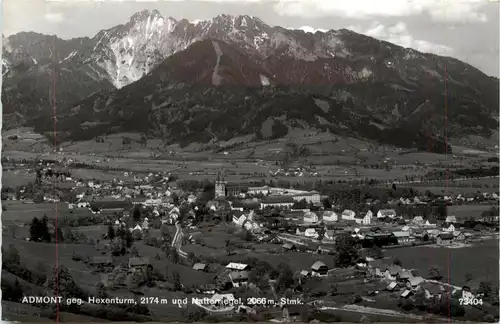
220, 187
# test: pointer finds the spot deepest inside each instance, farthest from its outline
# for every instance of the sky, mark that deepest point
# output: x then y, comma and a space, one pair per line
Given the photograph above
466, 29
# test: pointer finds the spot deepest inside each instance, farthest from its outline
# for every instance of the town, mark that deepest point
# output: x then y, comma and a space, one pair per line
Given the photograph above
232, 250
215, 161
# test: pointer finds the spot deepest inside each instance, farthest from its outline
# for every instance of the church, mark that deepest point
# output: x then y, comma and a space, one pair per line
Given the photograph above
223, 189
220, 187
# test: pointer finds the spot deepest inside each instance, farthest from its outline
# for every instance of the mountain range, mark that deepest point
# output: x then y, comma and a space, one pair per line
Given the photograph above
237, 77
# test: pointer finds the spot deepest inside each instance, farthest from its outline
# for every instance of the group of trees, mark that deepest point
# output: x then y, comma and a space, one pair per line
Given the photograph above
121, 240
39, 230
11, 262
346, 251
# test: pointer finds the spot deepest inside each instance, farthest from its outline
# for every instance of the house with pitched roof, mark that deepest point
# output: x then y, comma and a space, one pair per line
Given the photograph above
402, 237
310, 217
364, 218
319, 269
432, 290
386, 213
444, 238
418, 220
330, 216
391, 271
238, 278
413, 282
200, 266
348, 215
237, 266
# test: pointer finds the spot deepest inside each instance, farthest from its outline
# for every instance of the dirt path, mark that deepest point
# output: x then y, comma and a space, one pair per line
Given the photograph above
177, 240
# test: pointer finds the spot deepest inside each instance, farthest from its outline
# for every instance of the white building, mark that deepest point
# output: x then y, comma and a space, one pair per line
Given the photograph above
310, 197
258, 190
237, 266
383, 213
310, 217
311, 232
364, 218
348, 215
451, 219
330, 216
418, 220
450, 228
277, 201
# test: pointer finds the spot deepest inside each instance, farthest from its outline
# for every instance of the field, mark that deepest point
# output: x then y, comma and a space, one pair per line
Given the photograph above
19, 213
466, 211
213, 246
457, 187
480, 260
17, 178
35, 254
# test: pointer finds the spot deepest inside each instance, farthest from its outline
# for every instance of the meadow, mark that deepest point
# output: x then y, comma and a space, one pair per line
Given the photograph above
19, 213
480, 260
47, 255
466, 211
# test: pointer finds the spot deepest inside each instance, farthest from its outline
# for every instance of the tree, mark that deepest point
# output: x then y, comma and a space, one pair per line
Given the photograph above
192, 257
285, 278
177, 280
165, 233
248, 236
406, 304
11, 292
39, 230
327, 203
346, 252
376, 252
62, 284
60, 236
128, 239
11, 256
111, 232
420, 301
137, 235
35, 228
101, 290
175, 198
136, 213
45, 229
134, 252
117, 246
485, 289
442, 211
173, 255
435, 273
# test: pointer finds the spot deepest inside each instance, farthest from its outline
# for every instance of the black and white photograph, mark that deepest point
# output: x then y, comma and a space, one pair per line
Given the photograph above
261, 161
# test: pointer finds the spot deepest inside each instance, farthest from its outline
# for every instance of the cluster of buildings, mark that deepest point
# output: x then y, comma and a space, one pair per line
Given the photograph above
406, 283
272, 197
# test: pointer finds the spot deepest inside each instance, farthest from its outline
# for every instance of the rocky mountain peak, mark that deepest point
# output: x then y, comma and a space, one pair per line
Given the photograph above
145, 14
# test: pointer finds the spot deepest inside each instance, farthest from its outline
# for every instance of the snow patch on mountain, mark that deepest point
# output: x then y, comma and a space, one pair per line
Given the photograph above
72, 54
264, 81
5, 66
312, 30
